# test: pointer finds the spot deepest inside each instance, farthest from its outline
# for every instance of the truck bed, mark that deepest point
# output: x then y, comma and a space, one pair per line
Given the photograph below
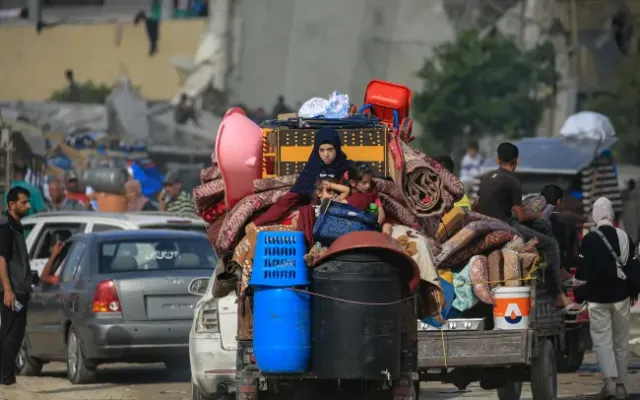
476, 348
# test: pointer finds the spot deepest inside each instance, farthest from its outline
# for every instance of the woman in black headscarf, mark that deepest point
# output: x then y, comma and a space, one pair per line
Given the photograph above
326, 159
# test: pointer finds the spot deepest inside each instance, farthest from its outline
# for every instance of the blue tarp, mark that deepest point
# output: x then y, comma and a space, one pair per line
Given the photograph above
149, 176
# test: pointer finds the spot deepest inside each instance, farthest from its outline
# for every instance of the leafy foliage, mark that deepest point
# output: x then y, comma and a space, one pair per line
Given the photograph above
473, 87
89, 93
622, 106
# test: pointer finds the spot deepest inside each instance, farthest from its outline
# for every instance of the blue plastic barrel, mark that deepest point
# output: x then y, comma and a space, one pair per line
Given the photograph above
281, 330
281, 317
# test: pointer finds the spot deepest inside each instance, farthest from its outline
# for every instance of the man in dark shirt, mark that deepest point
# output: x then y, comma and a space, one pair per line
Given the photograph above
15, 274
500, 197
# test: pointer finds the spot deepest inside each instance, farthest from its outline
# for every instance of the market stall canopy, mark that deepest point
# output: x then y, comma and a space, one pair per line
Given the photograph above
556, 155
31, 135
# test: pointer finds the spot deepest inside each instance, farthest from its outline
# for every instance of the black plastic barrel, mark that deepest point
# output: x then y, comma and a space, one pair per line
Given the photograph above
107, 180
351, 340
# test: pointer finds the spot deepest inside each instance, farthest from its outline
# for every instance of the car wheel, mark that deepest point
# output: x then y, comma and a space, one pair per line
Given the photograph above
79, 371
25, 364
197, 395
510, 391
570, 360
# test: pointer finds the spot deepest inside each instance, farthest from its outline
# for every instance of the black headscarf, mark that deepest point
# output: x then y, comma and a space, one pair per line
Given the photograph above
305, 185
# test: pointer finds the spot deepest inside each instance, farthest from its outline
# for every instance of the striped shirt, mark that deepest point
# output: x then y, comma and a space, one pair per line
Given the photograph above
183, 204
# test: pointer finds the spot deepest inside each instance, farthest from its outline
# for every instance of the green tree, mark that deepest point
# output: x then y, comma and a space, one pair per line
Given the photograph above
622, 106
473, 87
89, 93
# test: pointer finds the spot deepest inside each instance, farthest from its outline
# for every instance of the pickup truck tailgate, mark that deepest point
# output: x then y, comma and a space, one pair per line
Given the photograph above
476, 348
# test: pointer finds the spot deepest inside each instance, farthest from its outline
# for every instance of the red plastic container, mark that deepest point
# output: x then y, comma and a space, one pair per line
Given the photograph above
383, 98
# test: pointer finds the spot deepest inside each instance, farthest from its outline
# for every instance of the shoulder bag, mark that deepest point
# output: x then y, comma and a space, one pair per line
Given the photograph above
630, 272
337, 219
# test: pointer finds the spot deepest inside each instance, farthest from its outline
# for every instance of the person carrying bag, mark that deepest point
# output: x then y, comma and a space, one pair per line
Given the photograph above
611, 271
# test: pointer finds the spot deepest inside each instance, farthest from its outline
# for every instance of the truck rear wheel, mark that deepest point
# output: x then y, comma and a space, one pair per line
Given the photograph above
570, 360
544, 372
510, 391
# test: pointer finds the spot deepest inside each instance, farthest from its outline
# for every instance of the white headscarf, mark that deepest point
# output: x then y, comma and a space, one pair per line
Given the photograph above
603, 215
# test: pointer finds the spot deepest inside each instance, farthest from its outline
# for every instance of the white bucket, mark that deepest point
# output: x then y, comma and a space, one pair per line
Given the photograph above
512, 306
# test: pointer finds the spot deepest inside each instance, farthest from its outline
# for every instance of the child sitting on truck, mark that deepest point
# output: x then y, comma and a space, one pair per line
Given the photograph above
330, 188
364, 193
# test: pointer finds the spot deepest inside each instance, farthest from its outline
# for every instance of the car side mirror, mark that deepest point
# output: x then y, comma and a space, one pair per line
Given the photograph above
198, 286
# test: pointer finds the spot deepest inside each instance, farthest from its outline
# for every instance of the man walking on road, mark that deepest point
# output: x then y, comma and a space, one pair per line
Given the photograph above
15, 276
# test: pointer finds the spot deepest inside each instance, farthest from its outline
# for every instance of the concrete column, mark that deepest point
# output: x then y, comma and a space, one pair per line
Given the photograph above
35, 10
167, 9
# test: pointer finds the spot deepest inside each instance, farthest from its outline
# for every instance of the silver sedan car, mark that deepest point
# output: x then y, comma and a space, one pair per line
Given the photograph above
120, 296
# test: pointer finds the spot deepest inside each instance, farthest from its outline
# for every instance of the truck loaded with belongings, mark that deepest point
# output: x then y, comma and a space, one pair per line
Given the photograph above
445, 267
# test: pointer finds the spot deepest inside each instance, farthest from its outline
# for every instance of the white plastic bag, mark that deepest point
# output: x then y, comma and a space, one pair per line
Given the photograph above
338, 106
313, 107
587, 125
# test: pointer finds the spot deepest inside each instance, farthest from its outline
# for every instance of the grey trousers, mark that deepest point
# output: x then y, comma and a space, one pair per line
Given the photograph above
549, 247
609, 325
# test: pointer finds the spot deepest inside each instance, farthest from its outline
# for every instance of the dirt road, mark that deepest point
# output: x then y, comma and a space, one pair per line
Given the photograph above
115, 382
133, 382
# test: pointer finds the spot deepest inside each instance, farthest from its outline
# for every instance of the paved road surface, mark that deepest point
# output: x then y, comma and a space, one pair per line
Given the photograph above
133, 382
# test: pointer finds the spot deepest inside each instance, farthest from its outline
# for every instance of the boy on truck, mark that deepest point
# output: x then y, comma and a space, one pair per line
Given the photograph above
499, 195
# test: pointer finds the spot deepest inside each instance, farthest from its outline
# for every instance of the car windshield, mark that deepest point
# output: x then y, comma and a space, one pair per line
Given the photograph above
155, 254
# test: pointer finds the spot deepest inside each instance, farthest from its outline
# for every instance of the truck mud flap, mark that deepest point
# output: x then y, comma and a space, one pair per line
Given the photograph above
473, 349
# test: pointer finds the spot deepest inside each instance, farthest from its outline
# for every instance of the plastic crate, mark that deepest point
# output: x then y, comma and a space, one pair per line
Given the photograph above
279, 260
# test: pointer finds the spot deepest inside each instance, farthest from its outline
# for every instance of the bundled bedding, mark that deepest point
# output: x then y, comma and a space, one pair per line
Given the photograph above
428, 188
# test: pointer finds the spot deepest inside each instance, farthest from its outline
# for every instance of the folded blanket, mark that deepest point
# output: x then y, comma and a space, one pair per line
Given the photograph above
213, 231
474, 216
511, 263
209, 174
208, 194
467, 234
495, 263
427, 188
417, 246
280, 182
395, 209
236, 219
483, 245
211, 191
512, 269
479, 272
